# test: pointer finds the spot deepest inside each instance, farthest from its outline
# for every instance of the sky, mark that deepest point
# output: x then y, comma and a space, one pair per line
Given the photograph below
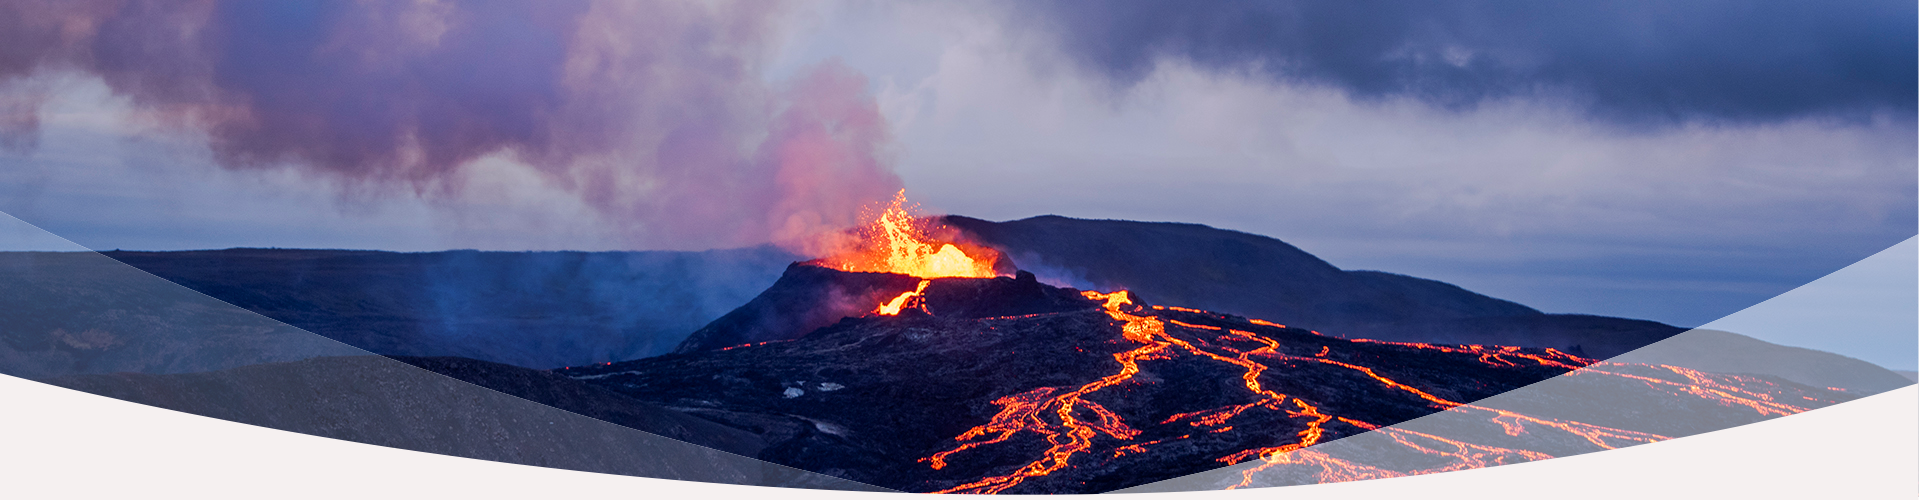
1673, 162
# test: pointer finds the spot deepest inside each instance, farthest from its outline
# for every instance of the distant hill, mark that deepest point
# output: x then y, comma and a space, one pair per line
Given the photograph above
1256, 276
1260, 277
1726, 352
64, 313
531, 309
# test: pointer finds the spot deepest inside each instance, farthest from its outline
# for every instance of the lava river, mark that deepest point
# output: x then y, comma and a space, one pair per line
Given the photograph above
1075, 428
976, 382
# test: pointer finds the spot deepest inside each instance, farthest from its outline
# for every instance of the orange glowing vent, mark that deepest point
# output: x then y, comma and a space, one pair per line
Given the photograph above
895, 242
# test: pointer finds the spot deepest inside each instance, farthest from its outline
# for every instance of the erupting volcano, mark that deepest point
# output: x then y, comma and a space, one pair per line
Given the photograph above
894, 241
924, 373
920, 358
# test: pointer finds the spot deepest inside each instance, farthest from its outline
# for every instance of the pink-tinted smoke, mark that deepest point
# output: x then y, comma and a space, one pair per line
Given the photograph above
654, 113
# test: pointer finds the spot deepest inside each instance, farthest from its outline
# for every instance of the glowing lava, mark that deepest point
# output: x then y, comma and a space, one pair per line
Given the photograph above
895, 242
1028, 412
893, 307
1076, 430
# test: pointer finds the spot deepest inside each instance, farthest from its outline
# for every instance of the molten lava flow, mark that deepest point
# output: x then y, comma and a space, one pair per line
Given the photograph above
1071, 436
1470, 456
1496, 355
755, 344
895, 242
1074, 428
893, 307
1708, 386
1028, 412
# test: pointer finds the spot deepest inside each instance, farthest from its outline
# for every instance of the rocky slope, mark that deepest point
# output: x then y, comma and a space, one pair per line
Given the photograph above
1257, 276
1006, 385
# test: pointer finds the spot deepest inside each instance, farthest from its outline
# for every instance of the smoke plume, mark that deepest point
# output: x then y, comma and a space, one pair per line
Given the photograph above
654, 113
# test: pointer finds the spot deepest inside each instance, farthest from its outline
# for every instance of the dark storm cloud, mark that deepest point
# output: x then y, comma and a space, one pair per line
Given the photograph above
1624, 61
652, 112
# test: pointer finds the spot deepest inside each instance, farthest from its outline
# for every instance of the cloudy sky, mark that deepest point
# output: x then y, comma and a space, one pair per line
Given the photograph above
1675, 162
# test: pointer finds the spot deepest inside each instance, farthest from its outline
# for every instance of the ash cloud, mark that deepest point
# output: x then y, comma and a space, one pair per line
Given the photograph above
1634, 63
654, 113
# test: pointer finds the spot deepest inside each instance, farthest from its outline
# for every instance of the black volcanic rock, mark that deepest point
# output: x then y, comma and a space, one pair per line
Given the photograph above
906, 386
875, 398
806, 297
1016, 296
809, 297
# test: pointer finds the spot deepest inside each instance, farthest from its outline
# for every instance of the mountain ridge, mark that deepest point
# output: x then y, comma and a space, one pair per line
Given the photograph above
627, 305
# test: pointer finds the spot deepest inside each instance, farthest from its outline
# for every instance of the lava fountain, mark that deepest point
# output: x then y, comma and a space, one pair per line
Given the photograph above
894, 241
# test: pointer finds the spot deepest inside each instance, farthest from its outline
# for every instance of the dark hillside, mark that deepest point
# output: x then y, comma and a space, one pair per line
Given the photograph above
1256, 276
532, 309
